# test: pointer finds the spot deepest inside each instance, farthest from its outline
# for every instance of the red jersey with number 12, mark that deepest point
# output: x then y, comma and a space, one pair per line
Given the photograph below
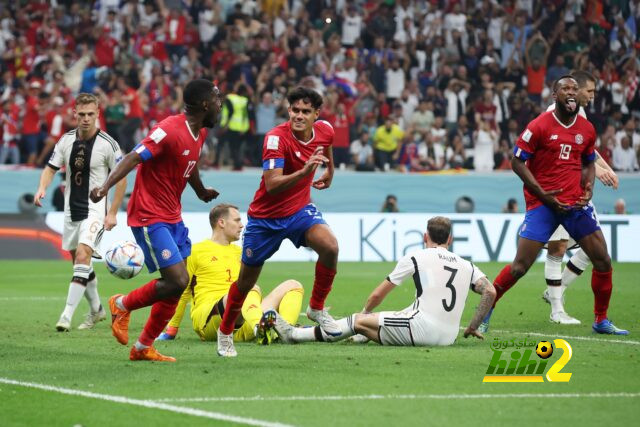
555, 154
283, 150
170, 153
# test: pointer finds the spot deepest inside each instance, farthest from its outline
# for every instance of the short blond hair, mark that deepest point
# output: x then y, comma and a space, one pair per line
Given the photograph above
87, 98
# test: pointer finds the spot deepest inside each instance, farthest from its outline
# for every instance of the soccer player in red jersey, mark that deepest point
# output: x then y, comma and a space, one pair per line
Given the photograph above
167, 160
281, 209
554, 158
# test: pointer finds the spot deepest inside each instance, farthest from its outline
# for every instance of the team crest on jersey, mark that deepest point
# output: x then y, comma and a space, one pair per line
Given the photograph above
166, 254
579, 139
249, 252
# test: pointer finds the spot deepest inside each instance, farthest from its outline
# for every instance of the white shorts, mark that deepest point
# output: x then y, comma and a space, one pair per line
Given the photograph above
88, 232
562, 234
410, 327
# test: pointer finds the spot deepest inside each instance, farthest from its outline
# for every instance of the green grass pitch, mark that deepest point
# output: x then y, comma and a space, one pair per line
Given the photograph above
314, 384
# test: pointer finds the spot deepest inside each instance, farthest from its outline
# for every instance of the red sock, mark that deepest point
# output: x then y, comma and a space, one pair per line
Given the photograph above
503, 282
601, 284
235, 299
321, 286
161, 312
144, 296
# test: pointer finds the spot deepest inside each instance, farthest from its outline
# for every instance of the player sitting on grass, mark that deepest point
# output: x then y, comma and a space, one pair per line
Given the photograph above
213, 266
442, 280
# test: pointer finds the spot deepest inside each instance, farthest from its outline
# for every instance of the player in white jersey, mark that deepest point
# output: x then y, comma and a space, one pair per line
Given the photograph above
558, 280
442, 280
87, 154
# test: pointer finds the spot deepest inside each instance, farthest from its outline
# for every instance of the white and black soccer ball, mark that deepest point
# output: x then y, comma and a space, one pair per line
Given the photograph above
124, 259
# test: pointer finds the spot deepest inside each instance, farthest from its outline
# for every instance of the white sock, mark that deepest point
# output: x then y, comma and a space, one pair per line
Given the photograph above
576, 265
317, 334
77, 288
140, 346
555, 298
91, 294
553, 268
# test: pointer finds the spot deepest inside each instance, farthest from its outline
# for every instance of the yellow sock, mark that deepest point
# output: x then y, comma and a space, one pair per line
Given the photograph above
252, 308
180, 309
290, 305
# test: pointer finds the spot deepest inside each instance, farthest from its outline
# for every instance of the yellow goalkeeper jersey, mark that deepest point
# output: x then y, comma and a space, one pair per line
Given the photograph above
212, 269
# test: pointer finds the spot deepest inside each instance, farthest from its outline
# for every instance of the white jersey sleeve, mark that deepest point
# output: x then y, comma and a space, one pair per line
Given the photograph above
476, 275
404, 268
58, 157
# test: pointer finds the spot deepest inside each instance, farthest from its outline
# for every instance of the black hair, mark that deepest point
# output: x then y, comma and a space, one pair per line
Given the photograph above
195, 93
566, 76
582, 77
307, 95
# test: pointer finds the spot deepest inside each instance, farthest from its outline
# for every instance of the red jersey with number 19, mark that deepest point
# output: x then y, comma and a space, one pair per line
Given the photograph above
169, 153
282, 150
555, 154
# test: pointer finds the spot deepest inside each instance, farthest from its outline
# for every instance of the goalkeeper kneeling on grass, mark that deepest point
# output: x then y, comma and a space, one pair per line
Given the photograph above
214, 264
442, 280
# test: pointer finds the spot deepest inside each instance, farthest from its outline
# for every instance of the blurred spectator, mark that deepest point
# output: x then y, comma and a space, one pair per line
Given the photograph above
362, 153
390, 204
265, 121
31, 134
456, 154
625, 158
511, 206
10, 134
620, 207
486, 140
386, 144
133, 115
234, 125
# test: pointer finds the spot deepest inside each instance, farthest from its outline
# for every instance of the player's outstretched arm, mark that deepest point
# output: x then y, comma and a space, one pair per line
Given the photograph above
206, 194
45, 180
588, 177
121, 170
324, 181
110, 220
547, 197
276, 181
604, 173
488, 294
378, 295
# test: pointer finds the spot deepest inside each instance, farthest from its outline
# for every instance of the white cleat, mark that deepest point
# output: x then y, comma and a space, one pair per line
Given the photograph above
284, 330
64, 324
358, 339
93, 318
225, 345
563, 318
324, 319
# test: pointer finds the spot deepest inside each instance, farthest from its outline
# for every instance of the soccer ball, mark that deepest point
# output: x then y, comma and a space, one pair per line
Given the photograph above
544, 349
124, 259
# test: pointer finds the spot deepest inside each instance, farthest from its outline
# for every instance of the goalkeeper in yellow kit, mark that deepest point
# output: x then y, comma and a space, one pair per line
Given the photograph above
213, 266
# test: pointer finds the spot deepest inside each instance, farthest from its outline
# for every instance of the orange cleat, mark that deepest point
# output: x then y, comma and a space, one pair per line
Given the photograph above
149, 353
119, 321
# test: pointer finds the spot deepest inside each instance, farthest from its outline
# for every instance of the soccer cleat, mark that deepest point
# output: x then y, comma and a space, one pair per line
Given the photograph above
284, 330
606, 327
119, 321
563, 318
324, 319
225, 345
358, 339
93, 318
264, 331
166, 337
484, 326
150, 354
64, 324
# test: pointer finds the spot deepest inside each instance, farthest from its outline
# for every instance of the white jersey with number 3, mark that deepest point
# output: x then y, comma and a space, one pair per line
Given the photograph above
442, 280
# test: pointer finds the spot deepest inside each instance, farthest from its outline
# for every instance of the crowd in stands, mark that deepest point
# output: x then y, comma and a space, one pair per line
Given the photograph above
413, 85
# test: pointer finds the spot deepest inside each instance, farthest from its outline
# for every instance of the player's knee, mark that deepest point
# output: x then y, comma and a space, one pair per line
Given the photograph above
256, 288
180, 281
519, 269
602, 263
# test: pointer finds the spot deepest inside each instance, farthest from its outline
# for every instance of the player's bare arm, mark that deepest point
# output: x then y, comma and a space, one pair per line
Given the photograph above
110, 220
547, 197
378, 295
324, 181
45, 180
122, 169
604, 173
276, 181
588, 177
488, 294
206, 194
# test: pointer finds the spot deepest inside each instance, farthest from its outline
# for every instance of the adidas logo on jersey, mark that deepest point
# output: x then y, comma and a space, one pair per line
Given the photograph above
185, 153
213, 258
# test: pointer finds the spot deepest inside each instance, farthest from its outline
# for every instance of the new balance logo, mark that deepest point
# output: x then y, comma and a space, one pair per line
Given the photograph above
553, 137
185, 153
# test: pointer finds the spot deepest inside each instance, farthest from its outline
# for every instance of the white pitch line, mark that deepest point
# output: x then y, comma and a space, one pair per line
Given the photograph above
31, 298
401, 396
570, 337
146, 404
